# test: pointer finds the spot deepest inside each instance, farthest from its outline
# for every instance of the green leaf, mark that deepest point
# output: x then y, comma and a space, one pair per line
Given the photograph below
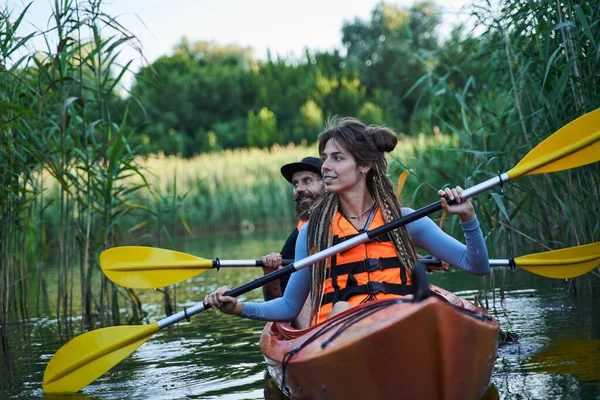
586, 26
498, 200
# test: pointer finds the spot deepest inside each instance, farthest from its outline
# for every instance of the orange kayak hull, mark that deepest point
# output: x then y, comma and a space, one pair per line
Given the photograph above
441, 348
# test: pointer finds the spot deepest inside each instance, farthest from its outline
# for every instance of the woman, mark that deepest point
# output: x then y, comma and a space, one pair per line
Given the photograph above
361, 197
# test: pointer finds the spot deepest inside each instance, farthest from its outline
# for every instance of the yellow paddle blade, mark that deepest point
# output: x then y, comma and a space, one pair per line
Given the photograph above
573, 145
88, 356
401, 181
562, 264
142, 267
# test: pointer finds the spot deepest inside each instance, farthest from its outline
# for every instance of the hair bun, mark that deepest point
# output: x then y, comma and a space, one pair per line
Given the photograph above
384, 139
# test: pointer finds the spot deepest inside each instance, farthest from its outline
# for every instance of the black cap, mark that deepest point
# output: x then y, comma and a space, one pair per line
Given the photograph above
311, 164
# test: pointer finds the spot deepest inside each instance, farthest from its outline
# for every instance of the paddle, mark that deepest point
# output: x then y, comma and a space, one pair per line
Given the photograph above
560, 264
87, 357
140, 267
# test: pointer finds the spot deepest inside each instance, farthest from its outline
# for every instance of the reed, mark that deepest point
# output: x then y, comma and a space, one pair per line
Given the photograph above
15, 166
243, 189
56, 123
532, 70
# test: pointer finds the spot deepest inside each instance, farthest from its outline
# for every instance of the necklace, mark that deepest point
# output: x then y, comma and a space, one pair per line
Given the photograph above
361, 214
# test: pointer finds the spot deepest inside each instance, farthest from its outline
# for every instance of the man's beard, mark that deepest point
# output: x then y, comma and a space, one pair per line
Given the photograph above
303, 207
302, 210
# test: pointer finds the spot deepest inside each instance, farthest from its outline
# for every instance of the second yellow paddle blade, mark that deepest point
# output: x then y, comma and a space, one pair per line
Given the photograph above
87, 357
142, 267
573, 145
564, 263
401, 182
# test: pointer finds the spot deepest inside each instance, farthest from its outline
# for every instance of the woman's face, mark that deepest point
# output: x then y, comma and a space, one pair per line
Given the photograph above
340, 171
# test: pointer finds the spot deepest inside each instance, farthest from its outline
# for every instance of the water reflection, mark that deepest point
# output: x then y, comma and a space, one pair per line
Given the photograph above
272, 391
577, 357
549, 360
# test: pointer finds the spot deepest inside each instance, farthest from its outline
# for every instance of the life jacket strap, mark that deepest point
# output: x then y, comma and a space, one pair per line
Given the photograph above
368, 265
370, 288
378, 239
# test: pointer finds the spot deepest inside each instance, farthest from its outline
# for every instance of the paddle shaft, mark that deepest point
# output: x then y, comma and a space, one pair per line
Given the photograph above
500, 262
188, 264
244, 263
331, 251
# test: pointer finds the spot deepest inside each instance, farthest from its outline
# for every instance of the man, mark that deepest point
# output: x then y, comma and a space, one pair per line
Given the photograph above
305, 177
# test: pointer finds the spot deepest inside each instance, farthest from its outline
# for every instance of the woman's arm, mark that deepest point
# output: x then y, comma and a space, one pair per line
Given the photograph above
287, 307
473, 257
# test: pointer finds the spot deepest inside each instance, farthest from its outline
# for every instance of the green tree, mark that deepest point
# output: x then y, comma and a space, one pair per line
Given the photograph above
391, 52
197, 89
313, 119
285, 85
262, 128
371, 114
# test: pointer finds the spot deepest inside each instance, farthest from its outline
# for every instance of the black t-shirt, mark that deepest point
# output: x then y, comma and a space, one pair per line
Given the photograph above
288, 252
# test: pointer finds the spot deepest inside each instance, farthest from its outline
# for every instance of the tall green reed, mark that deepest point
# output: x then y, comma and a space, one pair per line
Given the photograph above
227, 190
57, 122
532, 70
16, 165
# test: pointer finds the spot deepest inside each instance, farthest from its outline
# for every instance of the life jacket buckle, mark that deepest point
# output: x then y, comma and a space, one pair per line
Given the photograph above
376, 287
373, 264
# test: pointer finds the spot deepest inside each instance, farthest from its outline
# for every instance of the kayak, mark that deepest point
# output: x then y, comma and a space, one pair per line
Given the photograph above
443, 347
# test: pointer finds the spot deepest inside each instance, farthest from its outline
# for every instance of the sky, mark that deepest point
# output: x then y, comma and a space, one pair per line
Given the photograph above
284, 27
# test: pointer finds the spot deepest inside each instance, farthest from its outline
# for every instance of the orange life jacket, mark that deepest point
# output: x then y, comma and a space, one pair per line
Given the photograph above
301, 224
368, 271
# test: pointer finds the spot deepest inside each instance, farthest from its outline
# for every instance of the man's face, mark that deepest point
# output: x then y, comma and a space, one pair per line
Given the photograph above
307, 187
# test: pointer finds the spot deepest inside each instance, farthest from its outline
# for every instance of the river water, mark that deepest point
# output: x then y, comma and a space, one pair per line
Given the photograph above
556, 356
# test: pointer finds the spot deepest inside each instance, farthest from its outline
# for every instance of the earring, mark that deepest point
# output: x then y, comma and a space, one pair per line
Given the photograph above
364, 174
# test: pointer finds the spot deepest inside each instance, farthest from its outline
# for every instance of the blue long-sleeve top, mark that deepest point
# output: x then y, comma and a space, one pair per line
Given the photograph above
424, 233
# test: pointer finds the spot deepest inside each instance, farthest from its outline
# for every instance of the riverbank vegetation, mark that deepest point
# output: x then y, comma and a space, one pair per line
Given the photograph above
80, 161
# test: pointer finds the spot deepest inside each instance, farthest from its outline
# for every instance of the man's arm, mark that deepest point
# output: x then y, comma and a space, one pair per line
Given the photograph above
272, 262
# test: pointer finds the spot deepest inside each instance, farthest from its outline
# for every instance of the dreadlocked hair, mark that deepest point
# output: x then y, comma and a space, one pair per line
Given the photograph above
367, 144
